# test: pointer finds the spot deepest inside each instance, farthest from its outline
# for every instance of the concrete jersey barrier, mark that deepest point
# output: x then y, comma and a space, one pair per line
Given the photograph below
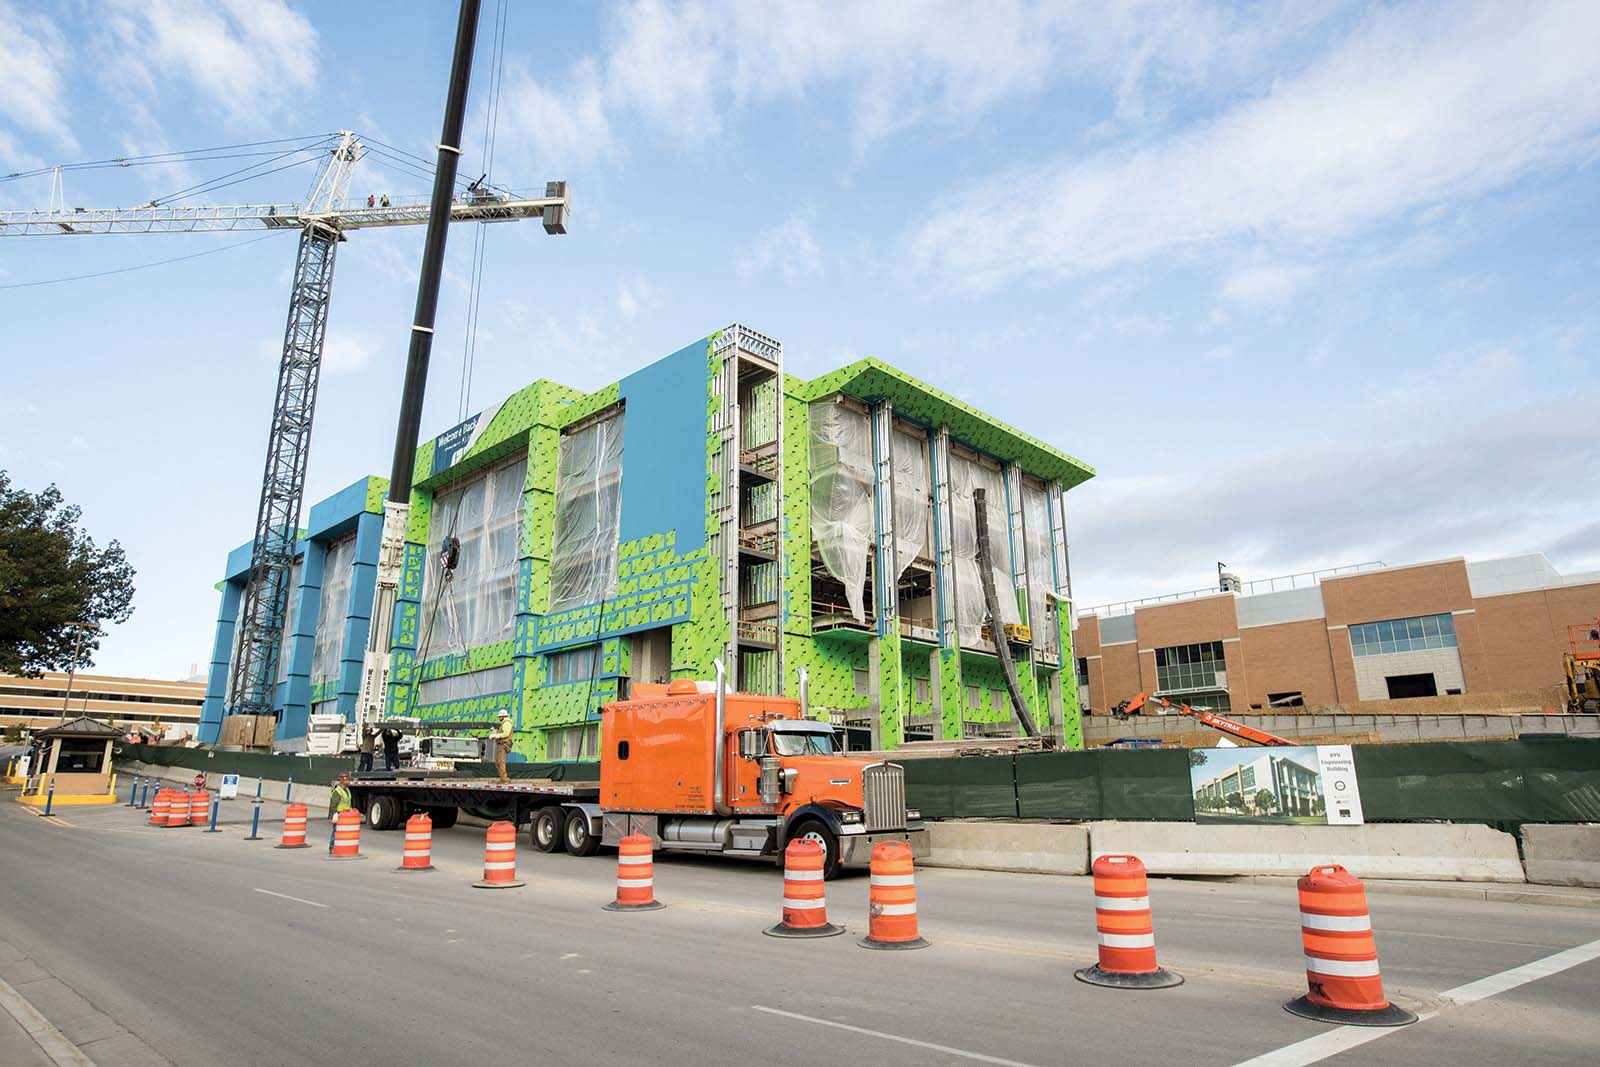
1562, 855
1458, 852
1032, 848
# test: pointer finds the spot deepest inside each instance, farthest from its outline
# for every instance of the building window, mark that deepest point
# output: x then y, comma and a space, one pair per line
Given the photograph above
1211, 700
1186, 668
478, 604
1083, 671
577, 743
462, 686
974, 697
573, 665
583, 558
1403, 635
1286, 700
920, 690
333, 610
863, 684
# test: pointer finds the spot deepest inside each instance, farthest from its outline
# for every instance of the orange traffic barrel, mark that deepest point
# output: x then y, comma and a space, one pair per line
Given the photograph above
500, 858
805, 909
1127, 936
347, 836
418, 854
160, 806
199, 807
1342, 977
892, 899
294, 827
178, 810
636, 879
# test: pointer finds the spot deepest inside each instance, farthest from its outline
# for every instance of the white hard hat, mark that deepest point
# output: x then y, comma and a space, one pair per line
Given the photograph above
504, 714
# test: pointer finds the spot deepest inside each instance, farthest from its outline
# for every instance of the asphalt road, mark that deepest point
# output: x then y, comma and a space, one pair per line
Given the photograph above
217, 950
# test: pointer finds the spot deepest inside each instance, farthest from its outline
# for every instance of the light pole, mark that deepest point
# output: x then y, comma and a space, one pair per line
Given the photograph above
72, 665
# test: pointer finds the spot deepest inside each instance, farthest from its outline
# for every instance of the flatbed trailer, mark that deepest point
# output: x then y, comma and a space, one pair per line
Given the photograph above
387, 799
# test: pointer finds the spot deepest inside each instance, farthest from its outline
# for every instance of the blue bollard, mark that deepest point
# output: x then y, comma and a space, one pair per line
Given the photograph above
216, 803
258, 789
144, 797
50, 799
288, 787
255, 824
133, 793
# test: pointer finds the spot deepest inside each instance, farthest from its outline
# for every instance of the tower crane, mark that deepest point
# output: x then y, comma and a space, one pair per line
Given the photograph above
322, 222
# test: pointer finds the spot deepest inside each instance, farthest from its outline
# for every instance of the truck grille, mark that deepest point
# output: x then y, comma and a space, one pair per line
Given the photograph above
883, 794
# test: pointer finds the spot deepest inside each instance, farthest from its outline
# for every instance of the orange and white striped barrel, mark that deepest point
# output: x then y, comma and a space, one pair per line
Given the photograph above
1342, 977
294, 827
805, 908
178, 809
892, 899
418, 854
1126, 934
199, 807
636, 878
500, 857
347, 835
160, 806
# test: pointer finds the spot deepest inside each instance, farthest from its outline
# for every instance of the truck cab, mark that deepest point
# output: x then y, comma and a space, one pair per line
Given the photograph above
698, 768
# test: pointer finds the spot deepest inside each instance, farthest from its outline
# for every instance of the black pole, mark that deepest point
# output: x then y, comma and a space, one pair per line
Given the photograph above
444, 180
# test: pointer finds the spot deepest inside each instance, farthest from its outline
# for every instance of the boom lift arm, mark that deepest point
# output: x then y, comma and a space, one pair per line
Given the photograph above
1206, 716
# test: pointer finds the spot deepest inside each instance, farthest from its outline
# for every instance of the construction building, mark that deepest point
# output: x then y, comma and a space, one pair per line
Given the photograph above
1363, 633
36, 703
708, 507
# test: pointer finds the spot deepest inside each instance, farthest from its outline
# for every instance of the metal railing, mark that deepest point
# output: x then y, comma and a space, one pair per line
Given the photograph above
1255, 587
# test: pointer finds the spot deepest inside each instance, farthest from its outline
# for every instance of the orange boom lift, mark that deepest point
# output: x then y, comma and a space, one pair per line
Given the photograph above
1205, 715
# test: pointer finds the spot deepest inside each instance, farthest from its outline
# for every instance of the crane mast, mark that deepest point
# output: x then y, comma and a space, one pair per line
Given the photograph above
322, 221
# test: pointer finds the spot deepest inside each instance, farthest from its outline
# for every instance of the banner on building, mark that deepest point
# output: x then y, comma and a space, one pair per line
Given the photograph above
460, 438
1307, 785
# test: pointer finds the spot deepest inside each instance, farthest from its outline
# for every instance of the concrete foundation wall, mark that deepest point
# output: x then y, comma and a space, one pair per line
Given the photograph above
1033, 848
1457, 852
313, 796
1099, 729
1562, 855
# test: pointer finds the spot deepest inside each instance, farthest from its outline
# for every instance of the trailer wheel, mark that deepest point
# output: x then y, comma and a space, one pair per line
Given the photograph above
383, 813
580, 839
814, 830
443, 817
548, 829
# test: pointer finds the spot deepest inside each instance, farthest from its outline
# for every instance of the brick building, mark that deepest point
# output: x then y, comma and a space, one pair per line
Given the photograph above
1367, 633
44, 701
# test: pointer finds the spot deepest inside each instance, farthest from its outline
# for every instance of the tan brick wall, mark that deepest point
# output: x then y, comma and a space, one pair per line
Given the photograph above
1397, 593
1120, 674
1525, 634
1187, 622
1284, 658
1469, 645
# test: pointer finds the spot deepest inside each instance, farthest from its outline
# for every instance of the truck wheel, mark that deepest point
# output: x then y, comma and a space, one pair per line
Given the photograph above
580, 839
814, 830
443, 818
382, 812
548, 829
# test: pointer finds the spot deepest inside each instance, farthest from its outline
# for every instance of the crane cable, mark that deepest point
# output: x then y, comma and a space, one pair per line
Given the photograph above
140, 266
469, 347
158, 158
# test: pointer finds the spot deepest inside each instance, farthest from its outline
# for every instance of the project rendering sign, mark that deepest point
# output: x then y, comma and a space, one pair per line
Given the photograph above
1309, 785
230, 787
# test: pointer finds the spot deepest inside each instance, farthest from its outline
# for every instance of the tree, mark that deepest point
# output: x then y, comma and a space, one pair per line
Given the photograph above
1234, 802
1266, 800
1197, 757
52, 580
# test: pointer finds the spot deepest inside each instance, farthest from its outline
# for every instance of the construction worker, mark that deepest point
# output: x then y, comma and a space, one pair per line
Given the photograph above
385, 200
502, 745
369, 740
338, 800
391, 748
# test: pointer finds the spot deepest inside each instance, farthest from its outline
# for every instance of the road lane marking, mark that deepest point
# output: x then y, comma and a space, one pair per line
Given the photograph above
1344, 1038
297, 900
946, 1049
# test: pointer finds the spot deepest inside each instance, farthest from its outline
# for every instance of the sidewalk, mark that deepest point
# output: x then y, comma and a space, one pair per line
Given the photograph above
43, 1023
1558, 896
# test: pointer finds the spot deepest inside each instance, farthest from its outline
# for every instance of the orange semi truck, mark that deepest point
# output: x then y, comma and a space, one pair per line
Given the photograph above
695, 768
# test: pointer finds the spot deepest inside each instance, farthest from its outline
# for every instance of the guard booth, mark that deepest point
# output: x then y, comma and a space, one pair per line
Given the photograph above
76, 756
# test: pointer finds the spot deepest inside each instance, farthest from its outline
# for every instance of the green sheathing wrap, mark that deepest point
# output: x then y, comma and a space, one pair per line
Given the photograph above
1071, 714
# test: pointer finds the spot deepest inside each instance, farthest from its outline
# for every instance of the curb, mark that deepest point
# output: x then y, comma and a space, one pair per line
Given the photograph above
1497, 893
51, 1041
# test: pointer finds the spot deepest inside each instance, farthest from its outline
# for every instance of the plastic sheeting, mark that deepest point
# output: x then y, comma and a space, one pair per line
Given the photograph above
333, 610
291, 615
966, 476
1041, 576
583, 561
478, 605
841, 496
911, 512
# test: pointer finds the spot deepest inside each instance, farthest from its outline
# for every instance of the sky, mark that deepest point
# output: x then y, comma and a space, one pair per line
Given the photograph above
1309, 284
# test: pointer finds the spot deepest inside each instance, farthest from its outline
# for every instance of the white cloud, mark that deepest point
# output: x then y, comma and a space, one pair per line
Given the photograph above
346, 353
33, 54
248, 57
1415, 109
682, 69
1267, 284
789, 248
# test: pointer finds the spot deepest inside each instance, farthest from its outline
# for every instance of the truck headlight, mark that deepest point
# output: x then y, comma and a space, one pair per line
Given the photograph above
849, 817
913, 815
